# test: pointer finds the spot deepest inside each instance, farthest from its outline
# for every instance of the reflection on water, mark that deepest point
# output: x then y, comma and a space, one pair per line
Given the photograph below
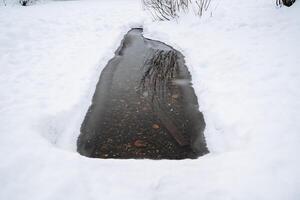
143, 106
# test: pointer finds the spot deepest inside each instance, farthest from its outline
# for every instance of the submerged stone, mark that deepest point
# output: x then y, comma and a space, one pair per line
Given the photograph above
144, 106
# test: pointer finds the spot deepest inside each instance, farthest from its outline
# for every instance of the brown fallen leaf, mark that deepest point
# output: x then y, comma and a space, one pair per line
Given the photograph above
139, 143
155, 126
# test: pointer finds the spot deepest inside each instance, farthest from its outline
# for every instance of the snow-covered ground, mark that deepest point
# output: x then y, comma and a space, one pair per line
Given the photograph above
245, 67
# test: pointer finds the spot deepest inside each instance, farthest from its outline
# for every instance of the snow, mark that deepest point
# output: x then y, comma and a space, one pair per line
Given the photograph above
245, 68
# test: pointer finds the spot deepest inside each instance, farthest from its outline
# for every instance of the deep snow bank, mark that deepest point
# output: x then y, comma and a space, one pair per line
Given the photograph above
245, 71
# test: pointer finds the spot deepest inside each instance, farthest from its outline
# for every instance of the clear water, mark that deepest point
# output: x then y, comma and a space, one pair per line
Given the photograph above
144, 106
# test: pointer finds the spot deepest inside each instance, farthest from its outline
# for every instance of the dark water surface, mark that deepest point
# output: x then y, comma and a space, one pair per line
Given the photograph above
144, 106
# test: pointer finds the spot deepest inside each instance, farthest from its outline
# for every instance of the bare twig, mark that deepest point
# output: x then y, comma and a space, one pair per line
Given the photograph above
166, 9
202, 5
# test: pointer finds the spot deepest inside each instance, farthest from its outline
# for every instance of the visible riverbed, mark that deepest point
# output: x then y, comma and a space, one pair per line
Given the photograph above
144, 106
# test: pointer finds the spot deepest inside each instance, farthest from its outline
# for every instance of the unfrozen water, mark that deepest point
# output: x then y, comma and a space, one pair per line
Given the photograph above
144, 106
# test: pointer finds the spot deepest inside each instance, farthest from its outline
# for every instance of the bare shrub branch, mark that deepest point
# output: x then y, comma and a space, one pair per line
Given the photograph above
169, 9
166, 9
202, 6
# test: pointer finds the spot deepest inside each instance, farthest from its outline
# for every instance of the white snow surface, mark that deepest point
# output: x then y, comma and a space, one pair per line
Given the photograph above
245, 65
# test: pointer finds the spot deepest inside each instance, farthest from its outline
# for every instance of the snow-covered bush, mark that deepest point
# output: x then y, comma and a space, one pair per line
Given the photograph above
287, 3
17, 2
169, 9
26, 2
166, 9
23, 2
